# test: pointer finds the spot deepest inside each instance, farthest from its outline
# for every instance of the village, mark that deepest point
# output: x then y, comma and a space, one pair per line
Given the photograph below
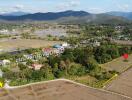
55, 50
65, 50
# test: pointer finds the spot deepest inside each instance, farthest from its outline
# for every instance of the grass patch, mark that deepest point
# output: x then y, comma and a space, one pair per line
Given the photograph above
91, 81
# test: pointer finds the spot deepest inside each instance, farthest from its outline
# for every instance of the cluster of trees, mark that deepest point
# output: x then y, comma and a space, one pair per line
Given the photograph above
106, 53
73, 62
99, 30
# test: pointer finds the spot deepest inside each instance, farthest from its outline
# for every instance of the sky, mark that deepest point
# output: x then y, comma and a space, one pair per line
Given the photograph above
92, 6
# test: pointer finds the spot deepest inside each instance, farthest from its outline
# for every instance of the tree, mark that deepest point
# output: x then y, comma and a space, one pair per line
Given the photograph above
76, 69
62, 65
26, 35
60, 73
52, 60
37, 75
47, 72
29, 62
114, 52
91, 63
55, 68
124, 49
42, 60
28, 73
126, 31
22, 66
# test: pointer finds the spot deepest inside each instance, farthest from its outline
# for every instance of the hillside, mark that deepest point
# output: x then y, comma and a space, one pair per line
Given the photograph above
46, 16
74, 17
94, 19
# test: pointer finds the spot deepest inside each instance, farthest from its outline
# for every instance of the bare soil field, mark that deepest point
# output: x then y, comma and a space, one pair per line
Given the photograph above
52, 32
122, 42
25, 43
122, 84
58, 90
118, 64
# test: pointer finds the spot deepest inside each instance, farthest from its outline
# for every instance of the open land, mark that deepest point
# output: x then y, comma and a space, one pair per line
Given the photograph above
123, 84
123, 42
118, 64
58, 90
11, 45
52, 32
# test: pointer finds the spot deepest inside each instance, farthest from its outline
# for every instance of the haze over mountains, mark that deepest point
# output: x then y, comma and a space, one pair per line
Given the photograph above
70, 17
127, 15
18, 13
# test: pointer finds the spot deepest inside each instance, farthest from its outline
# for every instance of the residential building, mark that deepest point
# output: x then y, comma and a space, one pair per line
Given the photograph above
29, 56
36, 66
65, 45
4, 62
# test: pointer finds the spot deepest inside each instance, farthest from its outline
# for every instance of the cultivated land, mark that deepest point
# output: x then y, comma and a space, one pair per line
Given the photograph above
11, 45
123, 84
123, 42
58, 90
118, 64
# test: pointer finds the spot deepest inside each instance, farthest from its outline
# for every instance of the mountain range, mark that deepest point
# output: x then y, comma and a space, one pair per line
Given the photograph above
127, 15
70, 17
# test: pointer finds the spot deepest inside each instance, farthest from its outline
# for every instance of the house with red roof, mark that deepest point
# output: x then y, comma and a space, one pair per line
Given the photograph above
36, 66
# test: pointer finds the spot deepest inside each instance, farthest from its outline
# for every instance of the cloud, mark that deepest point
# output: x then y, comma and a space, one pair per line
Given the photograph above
124, 7
68, 4
13, 8
74, 3
96, 10
2, 11
18, 7
121, 7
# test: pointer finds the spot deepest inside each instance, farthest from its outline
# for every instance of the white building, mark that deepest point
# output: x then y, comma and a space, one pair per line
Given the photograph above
65, 44
3, 31
4, 62
96, 43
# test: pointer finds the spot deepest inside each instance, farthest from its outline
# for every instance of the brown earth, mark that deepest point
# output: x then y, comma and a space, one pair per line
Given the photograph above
123, 84
118, 64
58, 90
11, 45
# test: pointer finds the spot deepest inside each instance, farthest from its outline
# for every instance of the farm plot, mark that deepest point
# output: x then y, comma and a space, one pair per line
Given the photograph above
59, 90
11, 45
123, 84
118, 64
